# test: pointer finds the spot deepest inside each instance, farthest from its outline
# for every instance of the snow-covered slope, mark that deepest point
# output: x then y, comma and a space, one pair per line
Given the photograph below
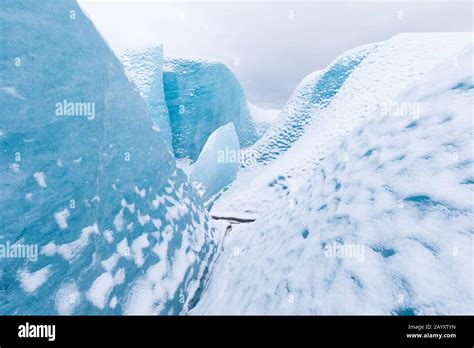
218, 162
315, 92
384, 223
85, 180
203, 95
390, 68
262, 118
145, 68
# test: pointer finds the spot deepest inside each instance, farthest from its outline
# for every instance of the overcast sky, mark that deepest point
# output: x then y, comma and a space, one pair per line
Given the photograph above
276, 43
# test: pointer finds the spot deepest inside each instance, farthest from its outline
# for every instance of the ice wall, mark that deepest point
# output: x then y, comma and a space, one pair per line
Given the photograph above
145, 68
86, 180
203, 95
218, 162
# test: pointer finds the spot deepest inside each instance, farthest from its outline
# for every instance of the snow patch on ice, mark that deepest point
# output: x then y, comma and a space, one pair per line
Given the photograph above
70, 251
138, 245
30, 282
67, 298
40, 179
61, 218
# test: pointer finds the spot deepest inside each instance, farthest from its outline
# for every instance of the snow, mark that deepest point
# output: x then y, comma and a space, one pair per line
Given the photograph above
262, 115
67, 298
162, 281
388, 69
315, 92
110, 263
40, 179
70, 251
203, 95
138, 245
382, 224
100, 289
87, 176
125, 204
218, 162
30, 282
113, 302
143, 219
123, 249
263, 118
118, 221
11, 91
185, 164
360, 188
61, 218
141, 192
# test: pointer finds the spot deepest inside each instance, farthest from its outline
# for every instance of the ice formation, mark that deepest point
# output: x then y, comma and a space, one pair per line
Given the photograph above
145, 69
391, 67
384, 223
218, 162
96, 216
356, 200
263, 118
203, 95
314, 93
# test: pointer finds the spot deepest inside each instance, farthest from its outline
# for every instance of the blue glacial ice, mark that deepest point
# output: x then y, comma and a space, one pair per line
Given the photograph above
87, 179
203, 95
218, 163
145, 69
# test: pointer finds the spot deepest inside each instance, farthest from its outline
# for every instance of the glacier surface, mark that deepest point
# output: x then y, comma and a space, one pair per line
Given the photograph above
315, 92
383, 224
356, 198
263, 118
391, 67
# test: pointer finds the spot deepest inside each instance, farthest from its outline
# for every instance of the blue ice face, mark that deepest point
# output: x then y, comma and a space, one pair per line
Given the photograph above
218, 162
86, 180
201, 96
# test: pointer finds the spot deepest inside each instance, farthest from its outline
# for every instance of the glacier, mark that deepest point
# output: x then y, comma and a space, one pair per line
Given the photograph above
145, 68
151, 185
383, 222
262, 118
90, 190
390, 68
203, 95
218, 163
315, 92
